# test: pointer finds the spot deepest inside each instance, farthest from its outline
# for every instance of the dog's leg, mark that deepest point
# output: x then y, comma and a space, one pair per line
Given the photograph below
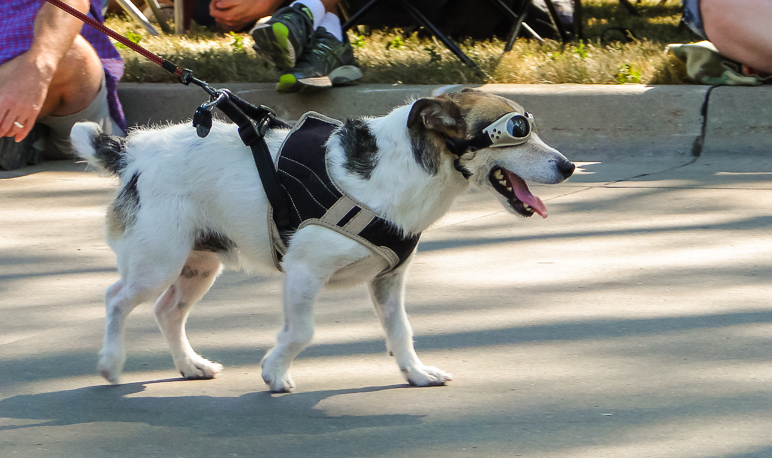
148, 265
172, 308
388, 294
120, 299
301, 287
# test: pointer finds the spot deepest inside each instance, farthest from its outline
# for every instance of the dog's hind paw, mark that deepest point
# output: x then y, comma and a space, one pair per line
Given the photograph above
199, 369
111, 377
426, 376
110, 368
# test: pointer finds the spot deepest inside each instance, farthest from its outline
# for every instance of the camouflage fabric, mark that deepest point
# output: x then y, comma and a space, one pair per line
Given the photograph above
705, 65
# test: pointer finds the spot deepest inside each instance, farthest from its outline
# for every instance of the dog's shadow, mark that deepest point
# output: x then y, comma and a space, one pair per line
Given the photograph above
258, 413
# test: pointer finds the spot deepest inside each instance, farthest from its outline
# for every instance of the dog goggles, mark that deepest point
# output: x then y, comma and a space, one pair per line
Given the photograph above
510, 130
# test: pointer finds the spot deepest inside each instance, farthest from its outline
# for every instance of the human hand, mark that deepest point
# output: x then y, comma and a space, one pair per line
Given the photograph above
23, 89
238, 14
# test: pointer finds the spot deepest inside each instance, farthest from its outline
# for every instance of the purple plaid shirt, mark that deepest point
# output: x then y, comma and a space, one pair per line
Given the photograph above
17, 23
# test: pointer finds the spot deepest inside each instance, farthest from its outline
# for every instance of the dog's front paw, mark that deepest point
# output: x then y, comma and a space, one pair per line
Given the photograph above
276, 375
199, 368
426, 376
279, 384
110, 367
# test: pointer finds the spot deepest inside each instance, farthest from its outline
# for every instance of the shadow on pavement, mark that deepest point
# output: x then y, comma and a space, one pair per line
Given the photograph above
259, 413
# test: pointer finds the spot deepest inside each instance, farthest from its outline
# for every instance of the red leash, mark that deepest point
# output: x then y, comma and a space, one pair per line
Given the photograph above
168, 66
253, 121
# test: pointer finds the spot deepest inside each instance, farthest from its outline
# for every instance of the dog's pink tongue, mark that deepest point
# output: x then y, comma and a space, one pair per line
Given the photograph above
524, 194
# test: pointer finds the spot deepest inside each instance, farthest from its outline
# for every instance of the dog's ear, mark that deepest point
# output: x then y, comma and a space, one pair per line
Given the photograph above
440, 114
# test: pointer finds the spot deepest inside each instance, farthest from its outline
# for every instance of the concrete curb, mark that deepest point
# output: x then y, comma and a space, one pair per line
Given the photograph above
739, 120
590, 122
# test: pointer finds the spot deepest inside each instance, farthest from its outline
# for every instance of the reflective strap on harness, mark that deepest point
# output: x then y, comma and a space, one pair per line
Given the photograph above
348, 215
316, 199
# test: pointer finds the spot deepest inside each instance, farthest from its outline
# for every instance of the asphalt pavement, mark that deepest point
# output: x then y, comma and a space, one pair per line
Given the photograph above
635, 321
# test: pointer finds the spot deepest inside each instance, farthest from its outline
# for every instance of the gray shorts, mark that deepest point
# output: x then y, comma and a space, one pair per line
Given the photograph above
693, 18
58, 138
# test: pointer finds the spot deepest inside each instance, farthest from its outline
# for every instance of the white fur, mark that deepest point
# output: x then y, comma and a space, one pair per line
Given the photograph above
186, 183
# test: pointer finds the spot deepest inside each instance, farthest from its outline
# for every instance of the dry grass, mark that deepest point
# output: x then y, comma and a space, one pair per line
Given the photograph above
388, 56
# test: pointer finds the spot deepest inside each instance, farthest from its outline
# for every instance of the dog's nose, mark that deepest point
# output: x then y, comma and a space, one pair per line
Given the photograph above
566, 168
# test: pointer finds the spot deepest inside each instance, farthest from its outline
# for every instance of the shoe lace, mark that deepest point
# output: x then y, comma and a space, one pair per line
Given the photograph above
296, 16
323, 54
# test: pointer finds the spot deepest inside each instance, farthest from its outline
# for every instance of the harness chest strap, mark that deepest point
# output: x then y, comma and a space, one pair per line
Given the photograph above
349, 218
315, 199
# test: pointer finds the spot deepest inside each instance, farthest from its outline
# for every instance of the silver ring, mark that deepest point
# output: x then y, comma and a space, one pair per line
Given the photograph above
18, 124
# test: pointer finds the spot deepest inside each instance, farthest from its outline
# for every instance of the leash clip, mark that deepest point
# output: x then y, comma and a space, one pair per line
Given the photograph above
214, 101
187, 76
263, 124
202, 119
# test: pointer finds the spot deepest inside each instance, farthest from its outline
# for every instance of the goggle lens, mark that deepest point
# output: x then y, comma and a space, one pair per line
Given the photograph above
518, 126
509, 130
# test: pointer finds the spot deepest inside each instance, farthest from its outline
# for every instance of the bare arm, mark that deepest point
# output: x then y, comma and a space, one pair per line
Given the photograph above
24, 80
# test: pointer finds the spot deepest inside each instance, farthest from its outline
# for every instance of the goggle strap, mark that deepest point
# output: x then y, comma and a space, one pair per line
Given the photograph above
461, 147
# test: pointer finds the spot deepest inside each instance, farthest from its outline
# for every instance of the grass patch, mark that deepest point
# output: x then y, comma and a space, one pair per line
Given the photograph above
605, 56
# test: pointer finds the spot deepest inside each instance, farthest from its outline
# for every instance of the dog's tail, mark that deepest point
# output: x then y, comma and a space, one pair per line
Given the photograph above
103, 151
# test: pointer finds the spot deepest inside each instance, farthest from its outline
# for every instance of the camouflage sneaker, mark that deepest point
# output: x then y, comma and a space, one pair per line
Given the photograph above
327, 62
284, 37
27, 152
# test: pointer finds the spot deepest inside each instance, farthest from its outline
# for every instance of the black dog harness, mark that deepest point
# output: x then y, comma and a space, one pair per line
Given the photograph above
314, 198
299, 191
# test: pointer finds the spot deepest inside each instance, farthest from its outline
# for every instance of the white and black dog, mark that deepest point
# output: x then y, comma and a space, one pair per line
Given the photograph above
190, 205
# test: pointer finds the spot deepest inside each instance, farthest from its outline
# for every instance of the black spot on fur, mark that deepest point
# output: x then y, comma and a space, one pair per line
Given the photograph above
425, 154
213, 241
188, 272
360, 147
127, 203
109, 151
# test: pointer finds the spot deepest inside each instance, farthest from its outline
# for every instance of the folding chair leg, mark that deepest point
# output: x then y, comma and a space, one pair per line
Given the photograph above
138, 16
445, 40
418, 16
578, 18
156, 9
630, 7
556, 21
354, 18
519, 19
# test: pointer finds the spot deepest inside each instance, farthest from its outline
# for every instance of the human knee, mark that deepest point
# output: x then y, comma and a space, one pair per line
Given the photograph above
740, 30
77, 81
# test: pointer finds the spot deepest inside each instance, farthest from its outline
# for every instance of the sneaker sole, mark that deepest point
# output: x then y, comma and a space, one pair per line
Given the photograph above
16, 155
273, 44
343, 75
12, 154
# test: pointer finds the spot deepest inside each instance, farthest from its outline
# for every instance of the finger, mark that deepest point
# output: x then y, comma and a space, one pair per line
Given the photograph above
17, 131
25, 130
219, 7
16, 123
13, 113
6, 123
227, 21
225, 4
